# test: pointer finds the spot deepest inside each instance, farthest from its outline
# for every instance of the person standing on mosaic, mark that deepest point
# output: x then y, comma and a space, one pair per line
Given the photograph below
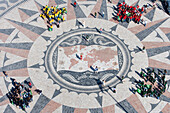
75, 3
103, 83
81, 56
100, 30
103, 14
96, 69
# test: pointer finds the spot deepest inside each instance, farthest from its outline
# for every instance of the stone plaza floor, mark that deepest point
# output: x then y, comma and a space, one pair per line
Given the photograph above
50, 60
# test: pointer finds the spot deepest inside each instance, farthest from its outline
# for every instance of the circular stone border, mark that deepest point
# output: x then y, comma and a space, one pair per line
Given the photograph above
50, 69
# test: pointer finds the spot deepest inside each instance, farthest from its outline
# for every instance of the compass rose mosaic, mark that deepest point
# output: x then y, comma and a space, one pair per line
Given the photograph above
62, 62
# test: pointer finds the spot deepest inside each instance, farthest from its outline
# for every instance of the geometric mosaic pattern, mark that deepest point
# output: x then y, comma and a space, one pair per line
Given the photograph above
28, 51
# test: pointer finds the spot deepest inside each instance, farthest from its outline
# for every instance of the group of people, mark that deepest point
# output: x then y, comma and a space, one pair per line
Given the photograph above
126, 13
54, 15
157, 86
20, 95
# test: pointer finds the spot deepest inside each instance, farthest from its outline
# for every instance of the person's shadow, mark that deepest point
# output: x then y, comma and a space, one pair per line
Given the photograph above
4, 73
139, 48
92, 68
72, 4
97, 30
80, 23
92, 15
100, 14
78, 56
99, 83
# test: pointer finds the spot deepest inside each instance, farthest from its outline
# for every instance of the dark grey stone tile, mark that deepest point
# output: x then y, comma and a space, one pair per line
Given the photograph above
40, 104
78, 11
150, 15
11, 7
168, 35
114, 28
124, 24
32, 28
28, 12
165, 98
56, 93
26, 45
143, 34
17, 65
3, 98
99, 99
125, 105
103, 8
46, 38
155, 51
7, 31
66, 109
58, 2
35, 66
96, 110
9, 110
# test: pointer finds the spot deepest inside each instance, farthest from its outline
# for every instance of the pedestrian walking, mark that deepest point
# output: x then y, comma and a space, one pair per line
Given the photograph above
144, 22
29, 84
103, 83
143, 48
83, 23
100, 30
95, 14
110, 1
96, 69
154, 4
114, 89
81, 56
103, 14
39, 91
75, 3
5, 73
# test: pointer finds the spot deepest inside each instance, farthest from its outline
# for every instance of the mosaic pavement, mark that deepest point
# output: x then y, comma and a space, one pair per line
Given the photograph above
28, 51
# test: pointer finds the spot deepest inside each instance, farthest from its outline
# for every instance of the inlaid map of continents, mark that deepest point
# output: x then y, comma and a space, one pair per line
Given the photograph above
95, 55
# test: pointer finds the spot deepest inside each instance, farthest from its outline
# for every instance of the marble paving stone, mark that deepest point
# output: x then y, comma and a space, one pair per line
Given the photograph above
150, 14
40, 104
9, 110
166, 109
25, 46
141, 35
126, 106
66, 109
155, 51
28, 51
17, 65
97, 110
103, 9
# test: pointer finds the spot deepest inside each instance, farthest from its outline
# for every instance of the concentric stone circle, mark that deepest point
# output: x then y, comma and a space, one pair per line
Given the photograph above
57, 78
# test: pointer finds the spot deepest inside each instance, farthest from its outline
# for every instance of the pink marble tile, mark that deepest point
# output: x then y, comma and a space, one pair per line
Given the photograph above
3, 37
158, 64
50, 107
4, 102
165, 29
33, 36
166, 109
70, 11
136, 103
18, 52
140, 28
18, 73
79, 110
149, 45
109, 109
23, 15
